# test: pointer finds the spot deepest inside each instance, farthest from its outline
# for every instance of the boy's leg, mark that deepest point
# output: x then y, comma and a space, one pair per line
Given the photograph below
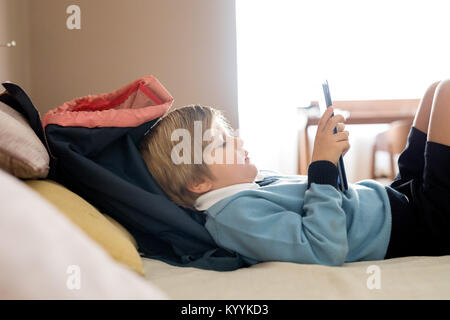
422, 118
439, 127
408, 226
411, 161
434, 193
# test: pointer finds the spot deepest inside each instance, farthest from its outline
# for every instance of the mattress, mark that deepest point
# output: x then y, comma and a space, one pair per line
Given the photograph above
399, 278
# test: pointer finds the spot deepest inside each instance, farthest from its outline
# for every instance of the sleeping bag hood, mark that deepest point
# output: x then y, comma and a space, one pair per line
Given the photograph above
93, 146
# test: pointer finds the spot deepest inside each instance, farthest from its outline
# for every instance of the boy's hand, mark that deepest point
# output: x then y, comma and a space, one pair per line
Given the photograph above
327, 145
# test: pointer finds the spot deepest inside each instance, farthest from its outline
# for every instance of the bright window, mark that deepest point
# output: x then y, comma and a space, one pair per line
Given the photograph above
366, 49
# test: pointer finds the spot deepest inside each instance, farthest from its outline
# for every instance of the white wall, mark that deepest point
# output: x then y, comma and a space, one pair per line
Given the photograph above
190, 46
15, 25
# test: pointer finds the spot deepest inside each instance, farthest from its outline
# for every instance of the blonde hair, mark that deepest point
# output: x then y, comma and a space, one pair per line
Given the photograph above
156, 148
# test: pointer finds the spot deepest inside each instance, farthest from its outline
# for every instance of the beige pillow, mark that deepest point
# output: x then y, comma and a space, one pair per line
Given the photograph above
43, 255
105, 231
22, 154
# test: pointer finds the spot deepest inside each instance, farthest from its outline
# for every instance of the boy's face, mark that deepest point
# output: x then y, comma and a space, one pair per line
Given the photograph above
235, 166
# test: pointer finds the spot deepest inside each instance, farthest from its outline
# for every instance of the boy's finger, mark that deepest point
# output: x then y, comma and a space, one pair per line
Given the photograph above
340, 127
344, 145
342, 136
332, 123
324, 119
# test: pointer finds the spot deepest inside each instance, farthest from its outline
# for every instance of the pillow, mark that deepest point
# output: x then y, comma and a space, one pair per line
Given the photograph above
116, 241
45, 256
123, 230
21, 152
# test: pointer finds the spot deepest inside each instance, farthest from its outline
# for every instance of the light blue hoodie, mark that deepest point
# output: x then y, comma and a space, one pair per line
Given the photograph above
296, 221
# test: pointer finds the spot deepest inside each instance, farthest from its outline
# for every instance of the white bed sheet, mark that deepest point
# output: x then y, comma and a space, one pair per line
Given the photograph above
399, 278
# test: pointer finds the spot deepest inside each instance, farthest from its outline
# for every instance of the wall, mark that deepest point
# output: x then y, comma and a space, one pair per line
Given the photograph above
190, 46
15, 25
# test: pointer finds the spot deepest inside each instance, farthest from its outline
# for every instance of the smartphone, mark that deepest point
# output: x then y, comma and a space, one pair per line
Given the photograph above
342, 178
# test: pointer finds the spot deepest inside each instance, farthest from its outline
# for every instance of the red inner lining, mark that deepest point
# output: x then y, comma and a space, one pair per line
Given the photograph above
105, 104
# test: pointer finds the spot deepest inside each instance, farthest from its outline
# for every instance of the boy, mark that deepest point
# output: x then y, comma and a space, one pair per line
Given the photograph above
307, 219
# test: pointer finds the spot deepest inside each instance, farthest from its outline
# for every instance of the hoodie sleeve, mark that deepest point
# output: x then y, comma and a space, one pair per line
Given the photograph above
323, 172
264, 231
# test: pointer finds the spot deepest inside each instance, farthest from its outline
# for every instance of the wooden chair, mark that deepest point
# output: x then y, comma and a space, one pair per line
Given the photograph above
392, 141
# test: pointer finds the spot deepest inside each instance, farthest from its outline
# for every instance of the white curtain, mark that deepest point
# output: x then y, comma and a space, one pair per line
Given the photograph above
366, 49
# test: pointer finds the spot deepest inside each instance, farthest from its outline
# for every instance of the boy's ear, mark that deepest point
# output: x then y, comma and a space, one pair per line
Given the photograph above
200, 186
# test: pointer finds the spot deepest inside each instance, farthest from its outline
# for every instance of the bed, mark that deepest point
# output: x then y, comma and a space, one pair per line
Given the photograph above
400, 278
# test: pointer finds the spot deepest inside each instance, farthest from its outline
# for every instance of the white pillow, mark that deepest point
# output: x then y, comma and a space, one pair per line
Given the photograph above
22, 154
43, 255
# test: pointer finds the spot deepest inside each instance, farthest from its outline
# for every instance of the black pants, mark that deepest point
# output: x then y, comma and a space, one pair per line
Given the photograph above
421, 223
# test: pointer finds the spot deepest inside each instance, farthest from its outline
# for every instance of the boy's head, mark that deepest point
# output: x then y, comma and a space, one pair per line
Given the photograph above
193, 150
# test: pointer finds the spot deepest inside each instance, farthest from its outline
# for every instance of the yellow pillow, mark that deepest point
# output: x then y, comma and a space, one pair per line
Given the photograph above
104, 230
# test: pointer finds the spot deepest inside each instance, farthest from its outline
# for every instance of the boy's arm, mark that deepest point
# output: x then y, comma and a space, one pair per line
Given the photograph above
263, 231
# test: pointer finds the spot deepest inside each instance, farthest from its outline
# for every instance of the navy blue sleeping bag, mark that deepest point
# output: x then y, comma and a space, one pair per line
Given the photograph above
102, 164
